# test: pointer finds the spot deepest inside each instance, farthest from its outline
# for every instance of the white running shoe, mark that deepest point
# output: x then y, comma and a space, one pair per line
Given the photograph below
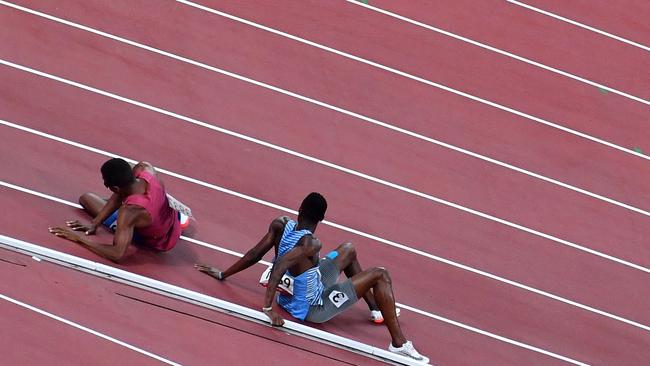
185, 220
409, 351
377, 317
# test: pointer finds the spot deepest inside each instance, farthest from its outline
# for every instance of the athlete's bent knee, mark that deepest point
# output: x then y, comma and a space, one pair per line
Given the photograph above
347, 249
84, 198
381, 275
384, 275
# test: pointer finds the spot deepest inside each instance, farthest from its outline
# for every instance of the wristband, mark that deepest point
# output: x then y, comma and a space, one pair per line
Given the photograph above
267, 309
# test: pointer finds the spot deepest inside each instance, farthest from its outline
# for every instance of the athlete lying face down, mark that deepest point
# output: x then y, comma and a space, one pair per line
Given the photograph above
137, 211
308, 284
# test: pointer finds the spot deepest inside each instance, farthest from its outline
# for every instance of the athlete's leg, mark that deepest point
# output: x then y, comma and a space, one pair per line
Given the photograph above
346, 261
379, 281
91, 203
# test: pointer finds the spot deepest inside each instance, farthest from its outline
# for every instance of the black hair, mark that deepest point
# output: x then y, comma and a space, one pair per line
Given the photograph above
117, 172
313, 207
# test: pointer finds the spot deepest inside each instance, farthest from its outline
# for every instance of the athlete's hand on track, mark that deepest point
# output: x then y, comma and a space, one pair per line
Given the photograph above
65, 233
76, 225
210, 271
276, 319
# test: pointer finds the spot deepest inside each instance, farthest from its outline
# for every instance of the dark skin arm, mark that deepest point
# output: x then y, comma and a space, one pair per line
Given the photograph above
300, 254
111, 205
251, 257
129, 217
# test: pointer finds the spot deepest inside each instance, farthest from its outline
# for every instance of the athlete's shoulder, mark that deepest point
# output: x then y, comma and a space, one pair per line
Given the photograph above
131, 213
278, 224
310, 240
144, 166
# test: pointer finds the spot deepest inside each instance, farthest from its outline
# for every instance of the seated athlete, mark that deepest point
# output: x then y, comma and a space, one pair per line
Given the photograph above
317, 297
137, 211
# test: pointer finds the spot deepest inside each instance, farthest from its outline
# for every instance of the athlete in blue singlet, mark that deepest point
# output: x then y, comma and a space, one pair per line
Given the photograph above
317, 296
307, 286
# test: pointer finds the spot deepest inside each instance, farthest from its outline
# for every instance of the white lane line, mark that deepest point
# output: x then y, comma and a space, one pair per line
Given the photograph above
193, 297
370, 120
500, 51
329, 223
325, 105
88, 330
238, 309
396, 129
581, 25
419, 79
323, 163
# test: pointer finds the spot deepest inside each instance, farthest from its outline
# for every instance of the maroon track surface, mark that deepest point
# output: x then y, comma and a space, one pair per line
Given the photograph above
542, 38
394, 99
628, 19
183, 333
47, 166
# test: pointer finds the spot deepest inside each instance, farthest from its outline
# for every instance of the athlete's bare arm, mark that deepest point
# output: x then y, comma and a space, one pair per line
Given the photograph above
300, 257
106, 210
254, 255
129, 216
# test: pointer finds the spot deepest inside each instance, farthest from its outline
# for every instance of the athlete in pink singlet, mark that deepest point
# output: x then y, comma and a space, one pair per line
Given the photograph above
165, 228
138, 211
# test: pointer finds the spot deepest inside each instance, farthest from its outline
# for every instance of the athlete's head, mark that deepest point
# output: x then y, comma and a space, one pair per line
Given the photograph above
117, 174
313, 207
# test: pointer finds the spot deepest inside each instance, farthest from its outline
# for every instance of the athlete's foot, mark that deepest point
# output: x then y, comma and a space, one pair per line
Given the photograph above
378, 318
409, 351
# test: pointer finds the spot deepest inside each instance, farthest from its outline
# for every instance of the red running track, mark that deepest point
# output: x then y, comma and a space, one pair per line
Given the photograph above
394, 99
449, 344
552, 323
489, 246
627, 19
470, 306
459, 65
429, 169
538, 37
177, 331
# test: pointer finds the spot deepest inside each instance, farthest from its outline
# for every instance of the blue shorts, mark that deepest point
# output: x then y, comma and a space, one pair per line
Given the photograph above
111, 224
111, 221
337, 296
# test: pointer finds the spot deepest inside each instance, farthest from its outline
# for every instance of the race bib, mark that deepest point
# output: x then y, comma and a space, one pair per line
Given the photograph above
286, 282
179, 206
338, 298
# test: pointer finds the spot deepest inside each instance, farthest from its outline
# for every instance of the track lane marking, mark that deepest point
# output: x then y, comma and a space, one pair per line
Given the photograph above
87, 330
415, 310
578, 24
420, 79
185, 295
358, 116
500, 51
370, 120
325, 105
323, 163
329, 223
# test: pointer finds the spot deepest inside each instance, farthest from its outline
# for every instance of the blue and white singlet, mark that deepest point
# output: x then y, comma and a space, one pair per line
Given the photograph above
307, 287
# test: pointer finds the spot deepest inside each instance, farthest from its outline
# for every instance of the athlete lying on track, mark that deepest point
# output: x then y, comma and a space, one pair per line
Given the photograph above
317, 297
137, 211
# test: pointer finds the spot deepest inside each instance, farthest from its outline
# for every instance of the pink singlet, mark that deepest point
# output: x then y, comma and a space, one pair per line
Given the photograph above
165, 228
